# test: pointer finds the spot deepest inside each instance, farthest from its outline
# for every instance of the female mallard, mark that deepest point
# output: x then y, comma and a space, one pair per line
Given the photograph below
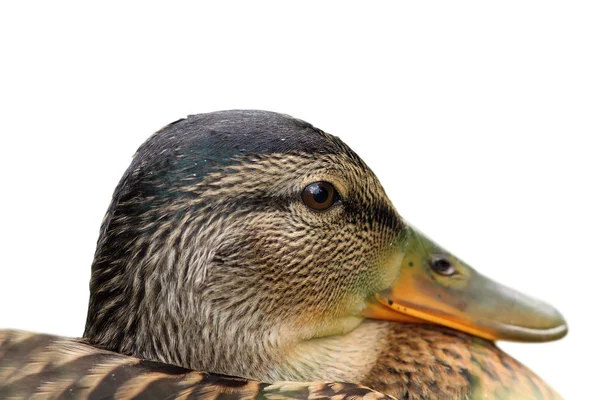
250, 243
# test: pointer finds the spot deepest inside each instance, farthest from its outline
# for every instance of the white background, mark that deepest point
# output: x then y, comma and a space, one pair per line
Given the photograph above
482, 121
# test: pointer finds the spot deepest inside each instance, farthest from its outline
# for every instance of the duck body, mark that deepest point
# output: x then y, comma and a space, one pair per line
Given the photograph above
420, 362
253, 244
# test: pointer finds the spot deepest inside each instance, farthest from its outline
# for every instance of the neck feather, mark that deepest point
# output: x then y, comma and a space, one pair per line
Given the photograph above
344, 358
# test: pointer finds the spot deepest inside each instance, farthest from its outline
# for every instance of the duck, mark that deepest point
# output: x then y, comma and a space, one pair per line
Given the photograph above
250, 254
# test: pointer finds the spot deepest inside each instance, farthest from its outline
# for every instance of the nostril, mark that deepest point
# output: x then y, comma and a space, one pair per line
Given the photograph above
442, 265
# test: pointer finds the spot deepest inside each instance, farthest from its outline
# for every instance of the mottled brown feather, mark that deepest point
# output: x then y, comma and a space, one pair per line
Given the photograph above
433, 362
38, 366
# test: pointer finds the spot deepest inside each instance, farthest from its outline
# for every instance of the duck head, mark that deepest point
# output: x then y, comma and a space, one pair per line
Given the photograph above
234, 237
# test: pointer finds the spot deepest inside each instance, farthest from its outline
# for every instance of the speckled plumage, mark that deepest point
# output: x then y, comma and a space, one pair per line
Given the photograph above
51, 367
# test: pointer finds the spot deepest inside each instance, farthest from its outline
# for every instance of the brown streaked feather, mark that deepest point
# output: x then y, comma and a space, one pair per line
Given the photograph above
38, 366
434, 362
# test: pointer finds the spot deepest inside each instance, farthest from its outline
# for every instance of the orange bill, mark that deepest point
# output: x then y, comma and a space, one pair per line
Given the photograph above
435, 287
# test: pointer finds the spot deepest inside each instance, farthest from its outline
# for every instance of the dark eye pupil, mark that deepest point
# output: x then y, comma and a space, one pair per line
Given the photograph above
320, 194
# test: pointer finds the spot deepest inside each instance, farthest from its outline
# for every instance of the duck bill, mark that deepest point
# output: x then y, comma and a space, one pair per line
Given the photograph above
435, 287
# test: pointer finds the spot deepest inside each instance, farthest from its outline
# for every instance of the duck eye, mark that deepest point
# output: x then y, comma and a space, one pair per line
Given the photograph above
442, 265
319, 196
